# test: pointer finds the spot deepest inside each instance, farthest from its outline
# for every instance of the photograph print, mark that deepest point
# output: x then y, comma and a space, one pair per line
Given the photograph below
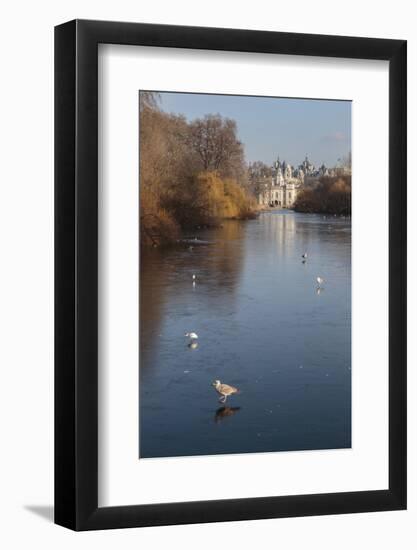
245, 274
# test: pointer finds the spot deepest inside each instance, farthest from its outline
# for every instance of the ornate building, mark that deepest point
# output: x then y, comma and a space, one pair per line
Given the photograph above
286, 181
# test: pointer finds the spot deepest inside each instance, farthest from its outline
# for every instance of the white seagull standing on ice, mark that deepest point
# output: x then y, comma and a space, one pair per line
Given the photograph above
304, 256
320, 281
191, 335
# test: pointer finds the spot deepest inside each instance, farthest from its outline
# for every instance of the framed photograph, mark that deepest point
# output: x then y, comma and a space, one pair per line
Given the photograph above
230, 253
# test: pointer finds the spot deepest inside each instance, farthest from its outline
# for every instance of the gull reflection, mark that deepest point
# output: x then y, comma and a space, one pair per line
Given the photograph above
225, 412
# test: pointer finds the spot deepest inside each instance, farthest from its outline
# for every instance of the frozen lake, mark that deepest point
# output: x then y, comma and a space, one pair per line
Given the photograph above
263, 326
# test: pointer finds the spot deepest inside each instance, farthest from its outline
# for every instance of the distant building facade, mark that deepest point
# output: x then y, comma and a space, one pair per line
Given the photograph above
287, 181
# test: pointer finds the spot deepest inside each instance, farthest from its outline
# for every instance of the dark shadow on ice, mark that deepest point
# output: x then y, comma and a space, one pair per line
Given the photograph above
225, 412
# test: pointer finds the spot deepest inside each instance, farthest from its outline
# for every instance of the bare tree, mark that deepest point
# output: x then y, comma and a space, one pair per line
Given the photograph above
259, 171
347, 161
215, 141
191, 174
149, 100
259, 176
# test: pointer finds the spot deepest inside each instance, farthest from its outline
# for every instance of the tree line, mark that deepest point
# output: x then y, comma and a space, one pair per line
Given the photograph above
330, 195
192, 174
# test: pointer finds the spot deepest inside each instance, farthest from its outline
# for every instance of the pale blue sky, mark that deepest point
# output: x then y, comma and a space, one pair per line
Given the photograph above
268, 127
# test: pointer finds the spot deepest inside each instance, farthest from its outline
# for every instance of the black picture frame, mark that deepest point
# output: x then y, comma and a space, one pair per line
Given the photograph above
76, 272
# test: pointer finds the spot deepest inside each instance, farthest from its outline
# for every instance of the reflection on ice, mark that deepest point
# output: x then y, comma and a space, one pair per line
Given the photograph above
225, 412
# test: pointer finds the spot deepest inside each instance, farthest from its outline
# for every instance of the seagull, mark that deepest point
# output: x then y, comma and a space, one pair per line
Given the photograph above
194, 277
191, 335
304, 256
224, 390
320, 281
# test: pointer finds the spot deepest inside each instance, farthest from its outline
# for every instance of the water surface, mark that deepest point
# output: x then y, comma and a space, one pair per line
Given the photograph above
263, 326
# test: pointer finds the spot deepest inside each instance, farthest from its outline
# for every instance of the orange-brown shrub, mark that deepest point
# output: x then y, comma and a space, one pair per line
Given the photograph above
331, 195
157, 226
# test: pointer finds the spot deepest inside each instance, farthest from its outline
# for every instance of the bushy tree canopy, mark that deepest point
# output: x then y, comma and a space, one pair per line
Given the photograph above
191, 173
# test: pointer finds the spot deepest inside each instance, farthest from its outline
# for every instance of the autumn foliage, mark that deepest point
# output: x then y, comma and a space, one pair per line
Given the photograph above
192, 174
330, 195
